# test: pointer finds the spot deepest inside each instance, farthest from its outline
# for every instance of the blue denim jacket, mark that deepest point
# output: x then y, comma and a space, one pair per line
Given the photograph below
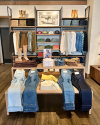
78, 42
30, 103
64, 82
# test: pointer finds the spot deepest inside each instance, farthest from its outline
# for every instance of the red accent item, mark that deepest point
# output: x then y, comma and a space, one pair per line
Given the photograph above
39, 32
40, 54
55, 46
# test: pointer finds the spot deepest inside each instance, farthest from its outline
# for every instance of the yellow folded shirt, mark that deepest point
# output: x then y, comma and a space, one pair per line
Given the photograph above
49, 77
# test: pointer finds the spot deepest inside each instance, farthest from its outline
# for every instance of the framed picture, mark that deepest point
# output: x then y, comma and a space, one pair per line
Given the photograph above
48, 18
47, 53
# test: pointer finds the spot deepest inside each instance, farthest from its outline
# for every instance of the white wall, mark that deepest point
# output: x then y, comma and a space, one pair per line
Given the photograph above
30, 9
94, 35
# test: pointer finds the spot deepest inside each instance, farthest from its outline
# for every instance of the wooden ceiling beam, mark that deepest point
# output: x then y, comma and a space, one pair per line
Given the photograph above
43, 2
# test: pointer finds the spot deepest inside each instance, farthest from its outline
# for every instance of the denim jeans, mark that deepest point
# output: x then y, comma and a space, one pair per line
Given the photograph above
30, 103
15, 92
67, 22
29, 35
78, 42
82, 34
85, 94
59, 62
20, 36
67, 90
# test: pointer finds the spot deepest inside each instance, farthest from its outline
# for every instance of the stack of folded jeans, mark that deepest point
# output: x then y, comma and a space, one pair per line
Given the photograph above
83, 22
85, 94
15, 91
66, 22
75, 22
28, 63
59, 62
30, 103
68, 90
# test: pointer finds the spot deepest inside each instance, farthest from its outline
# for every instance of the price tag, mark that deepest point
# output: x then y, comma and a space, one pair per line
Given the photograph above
76, 73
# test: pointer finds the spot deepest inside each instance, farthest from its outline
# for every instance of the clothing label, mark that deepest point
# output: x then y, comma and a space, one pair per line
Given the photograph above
76, 73
65, 71
19, 71
32, 71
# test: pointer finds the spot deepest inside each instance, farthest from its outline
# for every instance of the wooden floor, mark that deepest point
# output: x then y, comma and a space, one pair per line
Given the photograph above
50, 107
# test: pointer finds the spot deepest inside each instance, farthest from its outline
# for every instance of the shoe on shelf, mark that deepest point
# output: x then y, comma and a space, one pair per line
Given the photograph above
76, 13
19, 55
72, 13
20, 14
25, 53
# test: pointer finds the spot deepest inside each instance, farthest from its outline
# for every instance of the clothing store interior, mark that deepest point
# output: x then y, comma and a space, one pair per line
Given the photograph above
49, 62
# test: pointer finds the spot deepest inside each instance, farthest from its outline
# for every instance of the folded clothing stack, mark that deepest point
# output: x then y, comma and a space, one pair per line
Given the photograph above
83, 22
66, 22
77, 60
49, 85
70, 62
75, 22
59, 62
29, 63
41, 40
55, 46
40, 54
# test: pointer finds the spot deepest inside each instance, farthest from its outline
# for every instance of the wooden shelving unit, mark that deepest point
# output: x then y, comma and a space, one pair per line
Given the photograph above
48, 42
73, 26
70, 18
22, 26
21, 18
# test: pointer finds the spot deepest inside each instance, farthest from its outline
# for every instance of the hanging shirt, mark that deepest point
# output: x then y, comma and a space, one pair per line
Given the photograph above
73, 41
14, 42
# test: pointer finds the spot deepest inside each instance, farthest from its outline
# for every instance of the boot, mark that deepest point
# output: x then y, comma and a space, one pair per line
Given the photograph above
25, 52
20, 13
19, 55
72, 13
23, 12
75, 13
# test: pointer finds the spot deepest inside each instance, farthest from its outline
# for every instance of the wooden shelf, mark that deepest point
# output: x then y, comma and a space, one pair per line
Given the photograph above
4, 17
21, 18
72, 26
48, 26
52, 91
80, 18
73, 56
48, 34
22, 26
48, 42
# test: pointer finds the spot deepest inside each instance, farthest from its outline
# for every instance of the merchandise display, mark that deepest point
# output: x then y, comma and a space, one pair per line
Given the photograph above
45, 49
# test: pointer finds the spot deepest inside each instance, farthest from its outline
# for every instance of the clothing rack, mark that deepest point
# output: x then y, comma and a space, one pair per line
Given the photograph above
40, 66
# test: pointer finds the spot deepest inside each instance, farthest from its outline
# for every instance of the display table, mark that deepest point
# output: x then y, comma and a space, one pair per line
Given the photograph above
95, 73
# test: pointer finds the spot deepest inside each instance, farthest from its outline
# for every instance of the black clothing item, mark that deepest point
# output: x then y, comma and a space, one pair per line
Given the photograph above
40, 70
85, 94
11, 45
30, 22
48, 40
85, 44
55, 54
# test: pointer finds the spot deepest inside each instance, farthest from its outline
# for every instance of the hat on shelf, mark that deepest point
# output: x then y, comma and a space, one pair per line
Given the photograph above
57, 32
41, 40
41, 47
55, 46
47, 40
51, 32
55, 54
54, 40
48, 47
40, 54
39, 32
45, 32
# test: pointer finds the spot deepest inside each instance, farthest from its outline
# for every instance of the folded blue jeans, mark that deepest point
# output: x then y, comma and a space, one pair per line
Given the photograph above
30, 103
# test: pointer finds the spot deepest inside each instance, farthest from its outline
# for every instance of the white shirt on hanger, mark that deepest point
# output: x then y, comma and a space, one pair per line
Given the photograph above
73, 41
14, 42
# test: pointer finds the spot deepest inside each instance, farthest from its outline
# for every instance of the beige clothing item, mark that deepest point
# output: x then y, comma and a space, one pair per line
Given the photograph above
17, 40
19, 55
25, 52
34, 45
